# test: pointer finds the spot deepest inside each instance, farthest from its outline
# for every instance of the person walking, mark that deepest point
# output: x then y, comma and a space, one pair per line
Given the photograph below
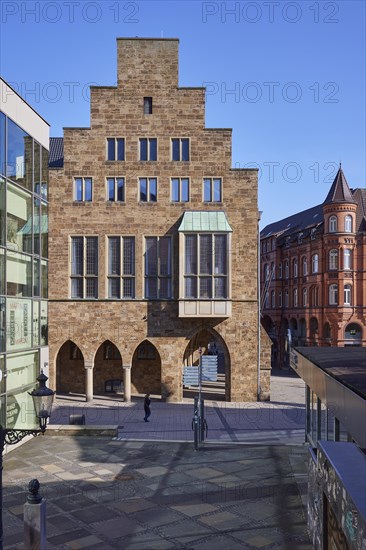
147, 410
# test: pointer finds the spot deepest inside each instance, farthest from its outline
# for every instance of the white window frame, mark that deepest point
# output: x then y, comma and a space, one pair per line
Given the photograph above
115, 189
304, 263
348, 224
280, 298
295, 268
85, 276
315, 263
333, 259
212, 192
347, 258
347, 295
116, 139
287, 269
273, 299
83, 184
295, 297
333, 224
286, 298
280, 270
333, 294
180, 179
180, 148
305, 297
148, 139
122, 275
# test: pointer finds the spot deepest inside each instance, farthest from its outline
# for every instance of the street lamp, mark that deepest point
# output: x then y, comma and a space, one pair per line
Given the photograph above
42, 402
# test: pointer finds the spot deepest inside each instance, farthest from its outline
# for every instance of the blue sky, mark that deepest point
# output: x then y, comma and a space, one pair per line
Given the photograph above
295, 70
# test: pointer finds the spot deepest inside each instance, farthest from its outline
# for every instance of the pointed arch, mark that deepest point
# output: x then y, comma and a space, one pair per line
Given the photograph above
70, 371
107, 368
146, 369
208, 339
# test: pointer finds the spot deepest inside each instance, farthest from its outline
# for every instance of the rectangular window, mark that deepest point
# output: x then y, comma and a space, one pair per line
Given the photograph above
148, 106
180, 149
83, 189
121, 267
84, 267
205, 266
158, 268
212, 190
148, 149
180, 189
116, 189
115, 148
148, 189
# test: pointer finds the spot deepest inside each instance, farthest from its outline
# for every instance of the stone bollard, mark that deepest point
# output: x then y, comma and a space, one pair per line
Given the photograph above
34, 519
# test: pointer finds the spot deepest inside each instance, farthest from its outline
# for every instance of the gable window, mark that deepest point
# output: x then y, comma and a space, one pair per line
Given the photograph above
148, 105
315, 263
115, 148
333, 259
116, 189
158, 267
333, 294
347, 258
180, 149
333, 225
121, 267
347, 295
84, 267
348, 224
206, 266
148, 149
179, 189
83, 189
148, 189
212, 190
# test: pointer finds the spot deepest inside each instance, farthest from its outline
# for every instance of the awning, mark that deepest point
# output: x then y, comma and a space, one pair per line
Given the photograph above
205, 221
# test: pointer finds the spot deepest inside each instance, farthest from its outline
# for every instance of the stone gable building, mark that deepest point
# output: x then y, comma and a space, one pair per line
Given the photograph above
153, 240
313, 273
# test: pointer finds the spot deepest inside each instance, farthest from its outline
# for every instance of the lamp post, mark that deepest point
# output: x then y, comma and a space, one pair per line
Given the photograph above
42, 401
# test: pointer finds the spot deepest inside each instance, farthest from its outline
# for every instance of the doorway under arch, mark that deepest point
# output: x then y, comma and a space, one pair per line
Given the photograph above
353, 335
70, 371
108, 369
146, 369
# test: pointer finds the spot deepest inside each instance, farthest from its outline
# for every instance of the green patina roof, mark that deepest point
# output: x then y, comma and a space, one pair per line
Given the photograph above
204, 221
27, 228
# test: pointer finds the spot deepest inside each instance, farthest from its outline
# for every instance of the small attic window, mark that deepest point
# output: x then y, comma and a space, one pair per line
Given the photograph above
147, 105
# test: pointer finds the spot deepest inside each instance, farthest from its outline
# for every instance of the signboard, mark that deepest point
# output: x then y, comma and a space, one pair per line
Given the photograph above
209, 368
190, 376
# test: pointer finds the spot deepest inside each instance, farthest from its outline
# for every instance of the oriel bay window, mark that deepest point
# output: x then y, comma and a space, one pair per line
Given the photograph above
84, 267
158, 268
121, 267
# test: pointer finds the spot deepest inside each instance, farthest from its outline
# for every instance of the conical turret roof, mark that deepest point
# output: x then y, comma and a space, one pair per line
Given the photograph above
340, 191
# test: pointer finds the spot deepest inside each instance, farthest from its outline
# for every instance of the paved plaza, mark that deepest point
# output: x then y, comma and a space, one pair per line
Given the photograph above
121, 493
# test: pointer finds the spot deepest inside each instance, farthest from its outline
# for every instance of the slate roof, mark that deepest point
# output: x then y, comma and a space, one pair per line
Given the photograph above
56, 155
340, 191
297, 222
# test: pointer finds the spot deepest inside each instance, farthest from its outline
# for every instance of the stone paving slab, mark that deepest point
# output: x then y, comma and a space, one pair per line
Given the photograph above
165, 496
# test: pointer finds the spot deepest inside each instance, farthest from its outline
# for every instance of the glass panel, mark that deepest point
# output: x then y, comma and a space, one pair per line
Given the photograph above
175, 189
220, 254
19, 219
153, 149
114, 256
207, 190
19, 324
22, 371
165, 255
191, 254
2, 384
205, 287
44, 278
220, 288
143, 189
128, 288
217, 190
153, 189
175, 149
37, 168
92, 288
143, 149
147, 105
151, 290
92, 256
185, 190
111, 155
2, 271
190, 287
19, 155
165, 288
206, 254
18, 274
2, 211
35, 327
44, 185
37, 226
114, 287
44, 230
36, 277
77, 245
78, 191
120, 149
2, 144
121, 189
110, 189
128, 255
88, 189
151, 256
185, 149
77, 288
2, 324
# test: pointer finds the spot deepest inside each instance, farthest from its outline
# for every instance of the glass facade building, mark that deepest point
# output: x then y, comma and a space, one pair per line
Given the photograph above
24, 137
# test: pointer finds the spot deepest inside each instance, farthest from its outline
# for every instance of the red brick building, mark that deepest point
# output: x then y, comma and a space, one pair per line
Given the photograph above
313, 273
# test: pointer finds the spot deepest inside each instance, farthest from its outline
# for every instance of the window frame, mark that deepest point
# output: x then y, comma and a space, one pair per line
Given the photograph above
348, 224
84, 277
147, 101
333, 294
121, 276
295, 268
315, 263
180, 189
347, 253
116, 140
180, 139
305, 297
116, 189
148, 140
333, 224
304, 266
158, 276
347, 290
83, 186
280, 298
212, 191
148, 191
333, 259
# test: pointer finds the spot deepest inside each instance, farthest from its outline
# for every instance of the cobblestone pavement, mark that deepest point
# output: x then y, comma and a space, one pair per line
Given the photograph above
123, 493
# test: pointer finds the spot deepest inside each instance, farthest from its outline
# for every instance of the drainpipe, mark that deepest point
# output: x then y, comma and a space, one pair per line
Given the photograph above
259, 310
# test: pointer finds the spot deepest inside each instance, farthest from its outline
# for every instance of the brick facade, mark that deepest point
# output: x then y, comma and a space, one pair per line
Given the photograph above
149, 68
